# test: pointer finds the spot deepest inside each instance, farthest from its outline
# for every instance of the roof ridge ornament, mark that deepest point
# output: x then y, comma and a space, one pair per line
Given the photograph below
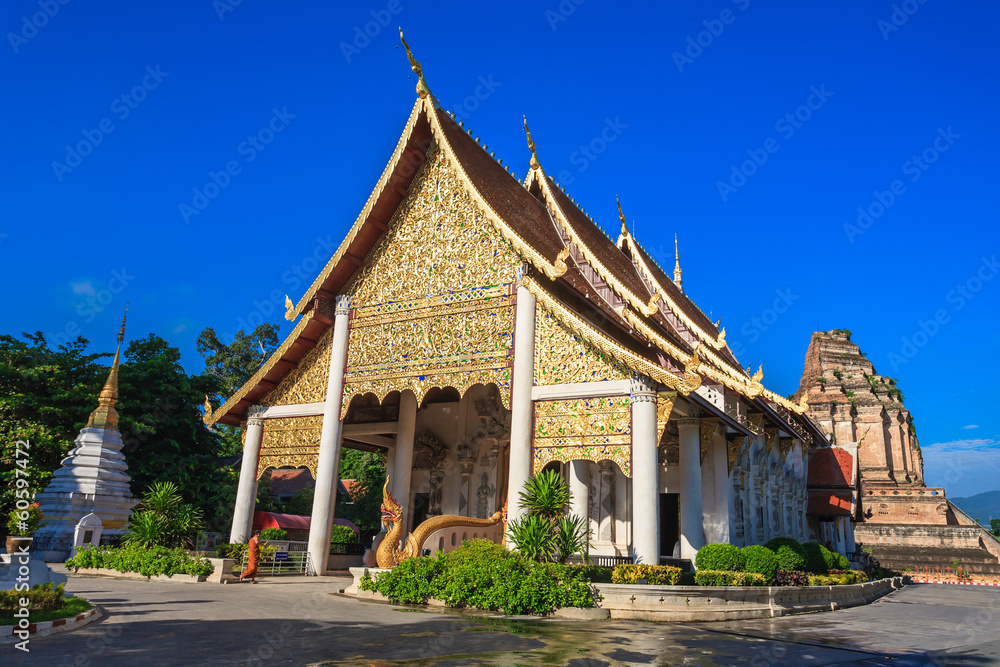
621, 216
677, 266
422, 89
531, 146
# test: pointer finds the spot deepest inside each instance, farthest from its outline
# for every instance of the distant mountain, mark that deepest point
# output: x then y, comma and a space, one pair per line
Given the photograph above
982, 506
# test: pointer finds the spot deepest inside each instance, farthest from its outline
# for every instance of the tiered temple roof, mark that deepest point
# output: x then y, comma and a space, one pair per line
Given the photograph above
611, 293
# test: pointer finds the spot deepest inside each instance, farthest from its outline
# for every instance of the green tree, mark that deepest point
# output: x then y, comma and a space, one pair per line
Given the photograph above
995, 526
368, 470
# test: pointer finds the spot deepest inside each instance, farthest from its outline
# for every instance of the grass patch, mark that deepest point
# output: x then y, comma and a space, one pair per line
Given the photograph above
71, 607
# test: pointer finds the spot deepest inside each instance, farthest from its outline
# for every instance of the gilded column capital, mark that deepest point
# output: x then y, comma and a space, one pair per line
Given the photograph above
709, 425
342, 305
256, 411
640, 385
255, 421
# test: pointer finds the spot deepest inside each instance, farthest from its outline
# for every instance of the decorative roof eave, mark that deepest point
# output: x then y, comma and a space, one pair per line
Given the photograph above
685, 385
661, 294
237, 398
798, 408
552, 269
373, 198
647, 308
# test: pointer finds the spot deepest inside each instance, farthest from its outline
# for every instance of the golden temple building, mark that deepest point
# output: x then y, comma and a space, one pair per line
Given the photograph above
477, 329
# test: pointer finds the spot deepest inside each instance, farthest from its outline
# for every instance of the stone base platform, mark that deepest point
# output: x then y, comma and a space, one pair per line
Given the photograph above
698, 603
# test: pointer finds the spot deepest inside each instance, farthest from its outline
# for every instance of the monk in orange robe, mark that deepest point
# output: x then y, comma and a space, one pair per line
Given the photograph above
253, 558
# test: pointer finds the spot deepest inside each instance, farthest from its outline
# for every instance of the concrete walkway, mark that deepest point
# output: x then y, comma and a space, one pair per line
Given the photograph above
299, 621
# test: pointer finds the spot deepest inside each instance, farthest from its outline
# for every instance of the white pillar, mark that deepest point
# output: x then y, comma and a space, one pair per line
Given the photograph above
692, 531
645, 477
579, 487
521, 405
327, 467
852, 546
723, 502
402, 470
246, 492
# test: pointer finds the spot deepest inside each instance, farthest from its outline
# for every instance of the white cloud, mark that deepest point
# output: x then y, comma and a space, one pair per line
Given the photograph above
85, 287
179, 328
970, 427
963, 467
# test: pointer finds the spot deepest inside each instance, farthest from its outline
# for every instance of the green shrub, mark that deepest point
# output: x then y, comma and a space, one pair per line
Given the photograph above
163, 519
655, 575
841, 579
789, 578
273, 534
789, 559
726, 578
597, 574
760, 560
239, 552
815, 560
342, 534
24, 522
725, 557
147, 561
487, 576
40, 598
835, 561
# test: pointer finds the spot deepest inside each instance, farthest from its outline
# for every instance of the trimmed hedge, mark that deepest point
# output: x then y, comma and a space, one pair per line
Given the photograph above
760, 560
597, 574
43, 597
835, 561
790, 559
724, 557
842, 579
655, 575
725, 578
815, 560
487, 576
147, 561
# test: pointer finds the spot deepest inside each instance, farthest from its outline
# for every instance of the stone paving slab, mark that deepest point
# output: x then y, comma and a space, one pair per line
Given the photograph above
301, 621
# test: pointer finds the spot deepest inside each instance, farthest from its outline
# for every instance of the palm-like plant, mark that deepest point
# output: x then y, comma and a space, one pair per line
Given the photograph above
164, 518
548, 533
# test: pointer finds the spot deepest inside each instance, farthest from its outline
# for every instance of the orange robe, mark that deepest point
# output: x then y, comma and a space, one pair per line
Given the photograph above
253, 558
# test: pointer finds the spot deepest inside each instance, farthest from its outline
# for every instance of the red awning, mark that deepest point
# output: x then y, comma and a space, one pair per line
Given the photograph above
262, 520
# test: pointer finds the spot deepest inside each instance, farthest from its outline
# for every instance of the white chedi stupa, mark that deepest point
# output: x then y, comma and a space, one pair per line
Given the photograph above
93, 479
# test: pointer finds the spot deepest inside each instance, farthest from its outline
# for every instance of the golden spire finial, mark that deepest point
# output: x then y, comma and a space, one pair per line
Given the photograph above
677, 266
105, 415
621, 216
531, 146
422, 89
207, 417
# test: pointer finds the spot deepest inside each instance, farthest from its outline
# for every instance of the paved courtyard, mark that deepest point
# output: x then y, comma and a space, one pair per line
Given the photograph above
299, 621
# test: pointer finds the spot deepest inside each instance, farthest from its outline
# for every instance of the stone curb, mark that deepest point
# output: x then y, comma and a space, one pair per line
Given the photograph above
46, 628
115, 574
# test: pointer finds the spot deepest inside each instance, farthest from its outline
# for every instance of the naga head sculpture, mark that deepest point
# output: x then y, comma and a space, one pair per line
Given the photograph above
391, 510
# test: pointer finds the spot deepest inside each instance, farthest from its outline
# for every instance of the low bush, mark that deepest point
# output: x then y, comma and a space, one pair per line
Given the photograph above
273, 534
40, 598
791, 578
487, 576
148, 561
597, 574
790, 560
761, 560
239, 552
815, 560
342, 534
835, 561
655, 575
725, 557
724, 578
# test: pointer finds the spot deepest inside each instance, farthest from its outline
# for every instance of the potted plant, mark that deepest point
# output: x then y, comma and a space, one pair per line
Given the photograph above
21, 525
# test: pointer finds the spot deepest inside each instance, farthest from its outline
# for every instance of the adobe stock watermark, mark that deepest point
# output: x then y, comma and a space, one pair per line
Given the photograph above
901, 13
582, 157
787, 126
958, 297
249, 148
759, 324
95, 301
299, 274
713, 29
121, 107
483, 91
363, 35
31, 26
914, 168
562, 12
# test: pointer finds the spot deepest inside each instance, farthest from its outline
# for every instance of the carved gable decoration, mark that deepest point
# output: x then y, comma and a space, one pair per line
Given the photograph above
591, 429
561, 357
290, 442
428, 452
434, 303
306, 383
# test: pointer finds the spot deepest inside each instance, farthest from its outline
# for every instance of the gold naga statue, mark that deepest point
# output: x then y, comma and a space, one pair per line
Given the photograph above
389, 554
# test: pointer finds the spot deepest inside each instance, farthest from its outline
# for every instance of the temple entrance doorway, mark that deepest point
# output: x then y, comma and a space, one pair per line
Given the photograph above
670, 522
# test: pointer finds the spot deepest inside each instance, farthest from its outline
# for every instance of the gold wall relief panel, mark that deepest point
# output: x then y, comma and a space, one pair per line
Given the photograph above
306, 383
664, 406
290, 442
433, 305
589, 429
561, 357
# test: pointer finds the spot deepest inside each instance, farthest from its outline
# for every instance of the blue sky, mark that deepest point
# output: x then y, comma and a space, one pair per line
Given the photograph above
753, 130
